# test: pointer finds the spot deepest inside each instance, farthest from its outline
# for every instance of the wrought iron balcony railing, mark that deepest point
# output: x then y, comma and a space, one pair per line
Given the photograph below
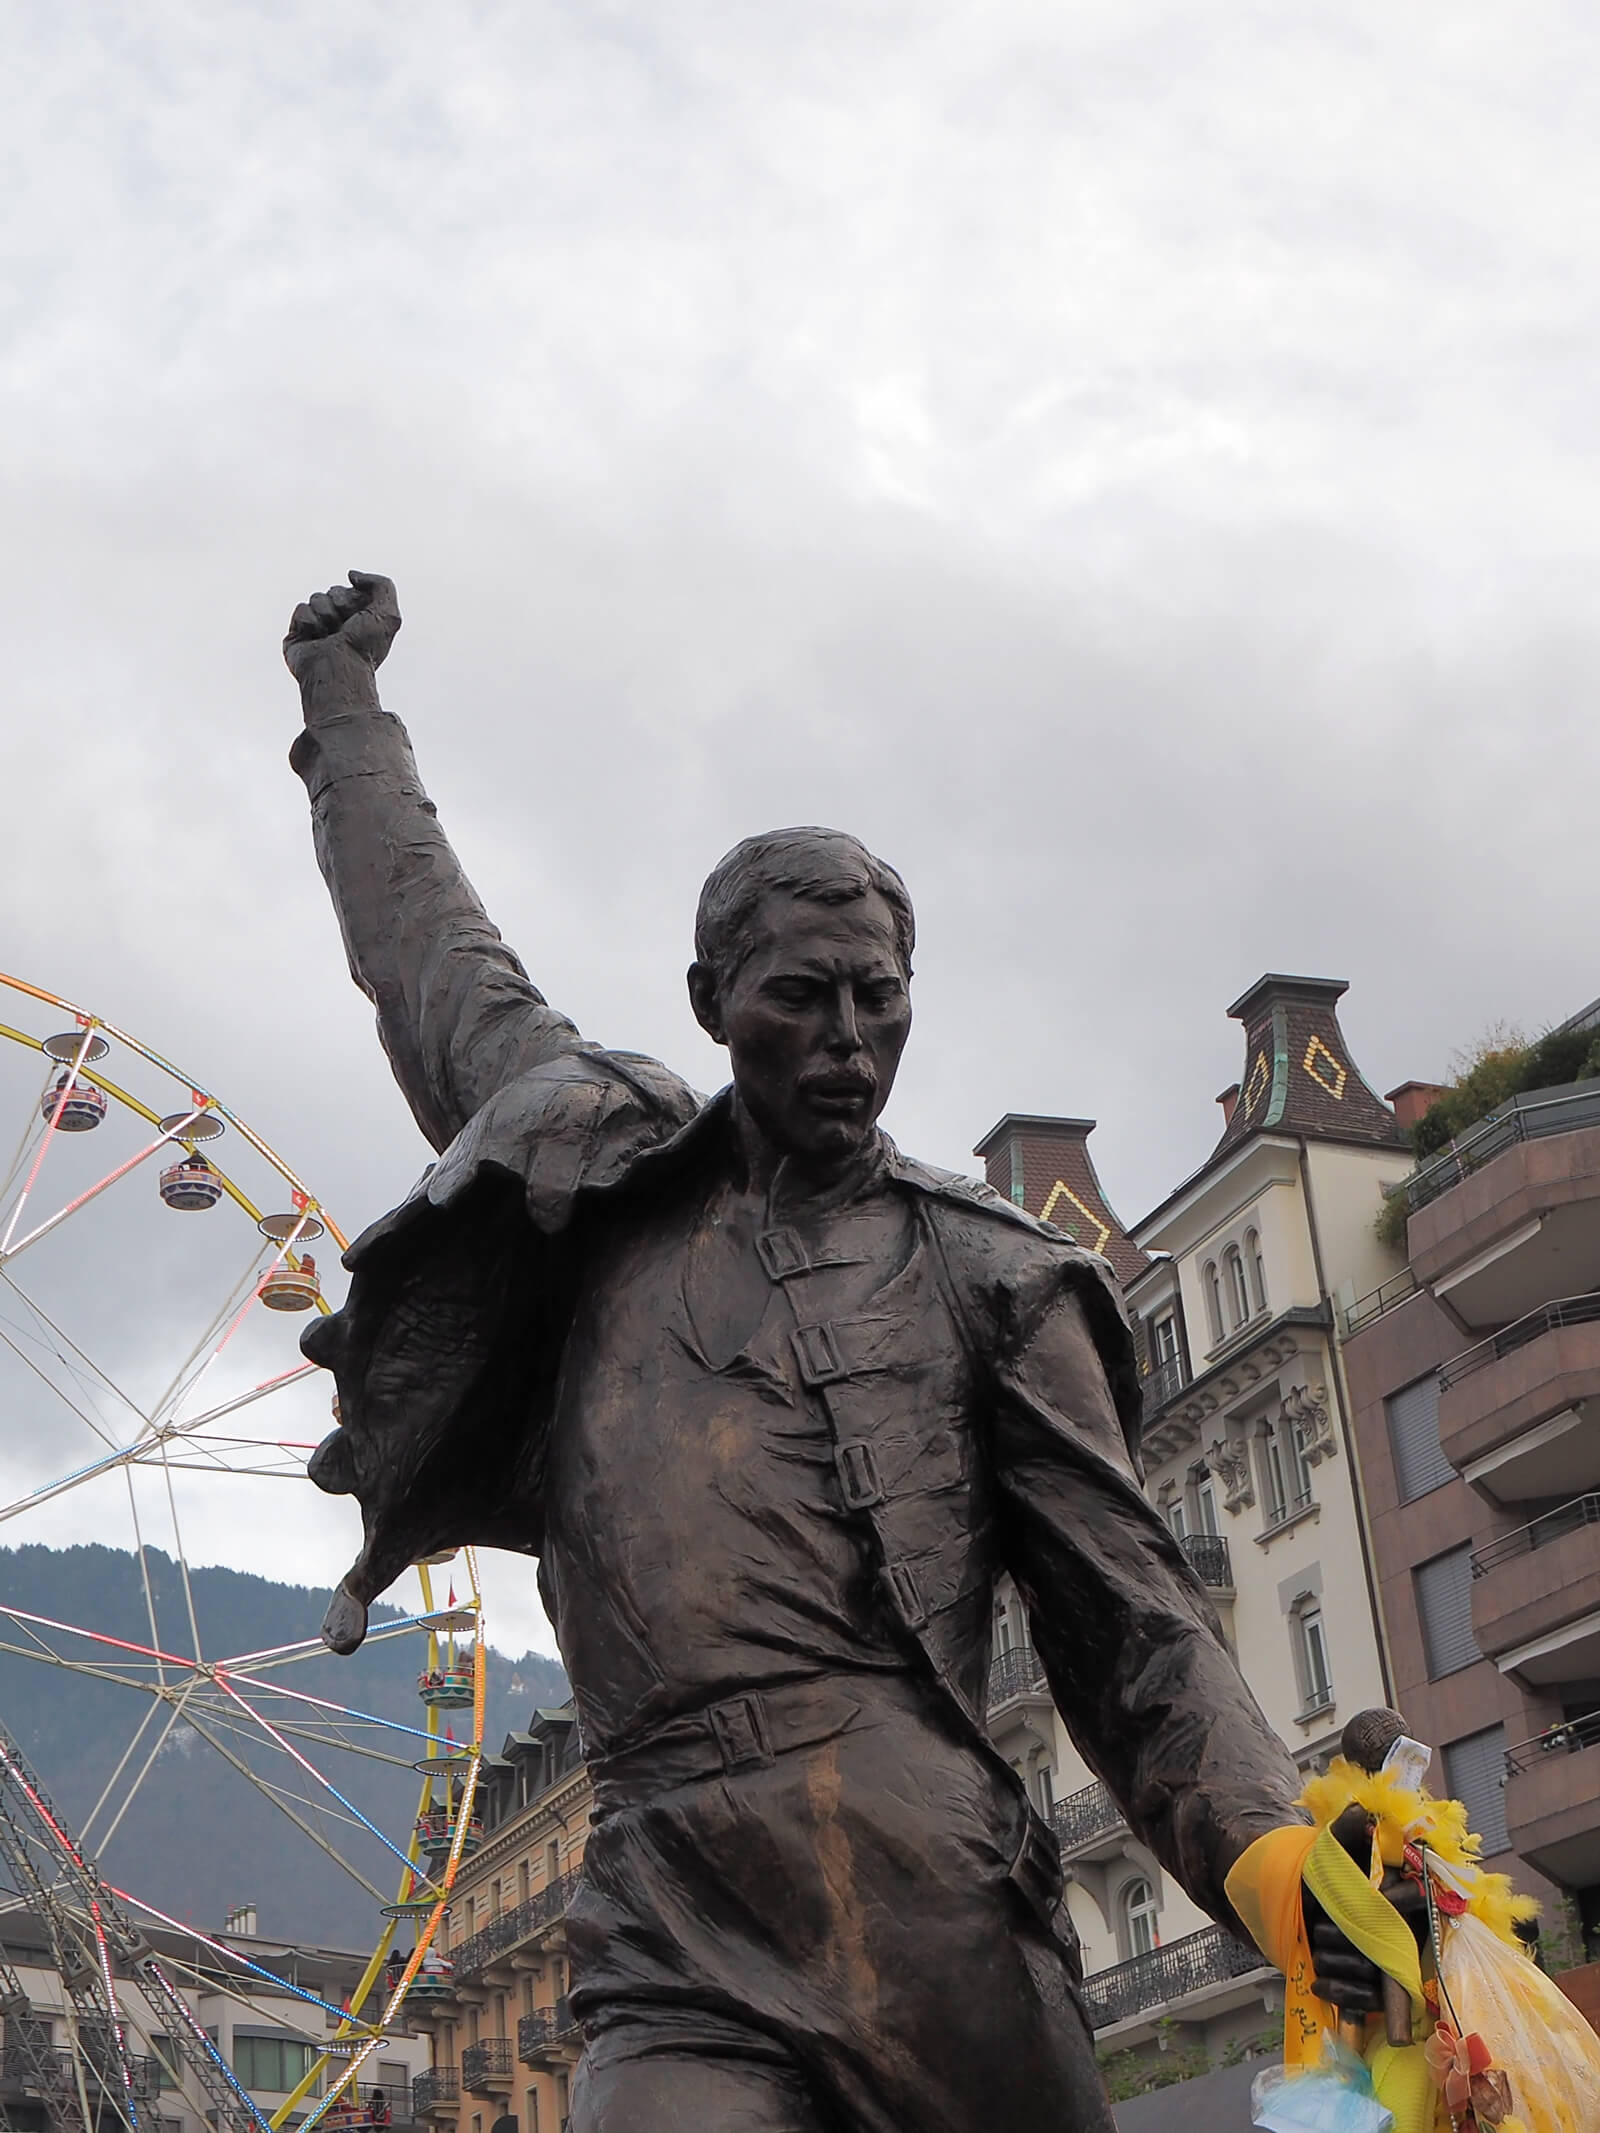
546, 2030
1208, 1552
1162, 1385
1552, 1526
440, 2084
1165, 1974
1014, 1673
1083, 1816
487, 2060
513, 1927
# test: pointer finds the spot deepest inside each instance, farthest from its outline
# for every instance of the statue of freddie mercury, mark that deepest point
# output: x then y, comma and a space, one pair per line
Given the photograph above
774, 1406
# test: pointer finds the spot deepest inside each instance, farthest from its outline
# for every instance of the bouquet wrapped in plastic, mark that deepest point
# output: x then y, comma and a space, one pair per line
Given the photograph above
1493, 2042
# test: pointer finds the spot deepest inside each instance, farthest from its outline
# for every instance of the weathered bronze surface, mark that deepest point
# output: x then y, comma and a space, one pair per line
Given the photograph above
774, 1406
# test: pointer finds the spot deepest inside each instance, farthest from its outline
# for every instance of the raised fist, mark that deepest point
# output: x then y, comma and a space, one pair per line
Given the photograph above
359, 618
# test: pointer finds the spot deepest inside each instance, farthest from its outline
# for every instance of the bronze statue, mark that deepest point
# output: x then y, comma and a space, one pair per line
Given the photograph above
774, 1406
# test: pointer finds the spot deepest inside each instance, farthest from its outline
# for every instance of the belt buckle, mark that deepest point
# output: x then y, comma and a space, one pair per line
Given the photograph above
739, 1728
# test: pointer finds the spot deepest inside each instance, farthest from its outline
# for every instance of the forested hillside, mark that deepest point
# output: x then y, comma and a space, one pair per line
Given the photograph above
199, 1836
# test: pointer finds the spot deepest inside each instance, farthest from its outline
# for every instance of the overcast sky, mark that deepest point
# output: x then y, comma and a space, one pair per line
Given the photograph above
1133, 464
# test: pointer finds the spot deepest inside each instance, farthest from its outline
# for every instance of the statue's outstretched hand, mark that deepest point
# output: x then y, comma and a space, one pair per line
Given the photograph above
359, 618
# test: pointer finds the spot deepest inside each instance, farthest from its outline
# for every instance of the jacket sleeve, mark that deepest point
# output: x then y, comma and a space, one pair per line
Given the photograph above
457, 1013
1130, 1643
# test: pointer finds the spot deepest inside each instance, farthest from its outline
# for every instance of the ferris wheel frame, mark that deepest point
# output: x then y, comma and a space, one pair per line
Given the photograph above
426, 1879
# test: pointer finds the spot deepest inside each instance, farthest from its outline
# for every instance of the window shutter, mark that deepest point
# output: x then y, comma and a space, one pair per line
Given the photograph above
1475, 1772
1420, 1465
1444, 1606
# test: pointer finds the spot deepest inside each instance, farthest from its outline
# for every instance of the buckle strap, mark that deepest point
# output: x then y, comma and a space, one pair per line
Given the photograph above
816, 1350
859, 1482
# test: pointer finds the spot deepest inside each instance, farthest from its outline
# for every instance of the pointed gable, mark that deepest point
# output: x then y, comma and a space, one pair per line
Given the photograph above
1298, 1075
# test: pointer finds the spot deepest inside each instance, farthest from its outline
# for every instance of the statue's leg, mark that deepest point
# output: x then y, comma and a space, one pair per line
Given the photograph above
846, 1908
678, 2093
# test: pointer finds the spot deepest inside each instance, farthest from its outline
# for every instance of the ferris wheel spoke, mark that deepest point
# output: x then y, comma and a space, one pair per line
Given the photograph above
347, 1712
174, 1716
269, 1792
209, 1345
165, 1139
260, 1718
123, 1760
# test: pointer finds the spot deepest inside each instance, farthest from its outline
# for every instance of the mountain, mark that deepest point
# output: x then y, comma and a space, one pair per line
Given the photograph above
199, 1835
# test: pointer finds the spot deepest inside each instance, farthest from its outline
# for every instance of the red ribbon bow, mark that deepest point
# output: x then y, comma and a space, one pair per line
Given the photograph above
1461, 2066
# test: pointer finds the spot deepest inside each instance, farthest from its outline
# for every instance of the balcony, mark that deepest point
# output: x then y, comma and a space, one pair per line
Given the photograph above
47, 2072
486, 2066
1208, 1553
1184, 1967
1015, 1674
1511, 1213
1508, 1407
1162, 1385
527, 1921
1553, 1801
549, 2033
1088, 1821
1536, 1597
437, 2092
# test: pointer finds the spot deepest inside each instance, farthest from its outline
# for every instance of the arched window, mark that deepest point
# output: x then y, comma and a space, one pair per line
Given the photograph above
1258, 1267
1139, 1909
1213, 1301
1238, 1291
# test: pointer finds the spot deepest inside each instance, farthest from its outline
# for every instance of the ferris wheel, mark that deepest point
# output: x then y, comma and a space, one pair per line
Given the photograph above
156, 1260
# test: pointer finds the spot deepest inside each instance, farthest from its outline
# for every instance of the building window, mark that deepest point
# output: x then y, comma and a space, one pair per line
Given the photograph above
533, 2110
1165, 1335
1258, 1267
1475, 1774
1139, 1912
1177, 1518
1444, 1609
1205, 1502
278, 2064
1238, 1292
1044, 1791
1213, 1289
1316, 1675
168, 2059
1285, 1485
1420, 1465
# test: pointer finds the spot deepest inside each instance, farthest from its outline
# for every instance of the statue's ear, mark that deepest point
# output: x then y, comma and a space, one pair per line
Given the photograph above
706, 1001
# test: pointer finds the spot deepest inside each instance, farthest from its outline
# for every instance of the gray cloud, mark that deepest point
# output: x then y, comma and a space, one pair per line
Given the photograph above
1135, 468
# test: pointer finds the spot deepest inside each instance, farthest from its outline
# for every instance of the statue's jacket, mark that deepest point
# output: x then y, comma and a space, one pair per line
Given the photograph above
448, 1352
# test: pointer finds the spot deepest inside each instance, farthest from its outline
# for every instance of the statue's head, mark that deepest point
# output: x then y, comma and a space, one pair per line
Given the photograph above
803, 970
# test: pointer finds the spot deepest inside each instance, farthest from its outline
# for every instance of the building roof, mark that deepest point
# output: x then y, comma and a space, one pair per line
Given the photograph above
1299, 1077
1043, 1163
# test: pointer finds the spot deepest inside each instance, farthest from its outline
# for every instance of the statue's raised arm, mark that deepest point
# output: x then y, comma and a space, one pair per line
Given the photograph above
457, 1013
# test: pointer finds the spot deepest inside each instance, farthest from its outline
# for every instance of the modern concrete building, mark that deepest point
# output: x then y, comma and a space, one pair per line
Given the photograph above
1474, 1377
1234, 1285
265, 2029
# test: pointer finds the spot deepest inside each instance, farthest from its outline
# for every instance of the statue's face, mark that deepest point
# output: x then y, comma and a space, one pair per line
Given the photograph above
815, 1020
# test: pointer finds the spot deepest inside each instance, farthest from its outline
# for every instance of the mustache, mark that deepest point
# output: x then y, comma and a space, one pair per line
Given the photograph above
839, 1081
